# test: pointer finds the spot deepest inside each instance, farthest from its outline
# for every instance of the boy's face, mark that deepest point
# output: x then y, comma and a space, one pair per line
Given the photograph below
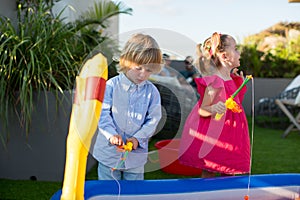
138, 73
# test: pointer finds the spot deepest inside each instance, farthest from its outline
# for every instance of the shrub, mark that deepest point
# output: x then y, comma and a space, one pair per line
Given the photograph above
42, 53
272, 55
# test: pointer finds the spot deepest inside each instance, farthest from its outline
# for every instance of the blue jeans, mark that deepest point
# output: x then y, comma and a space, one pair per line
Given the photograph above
106, 173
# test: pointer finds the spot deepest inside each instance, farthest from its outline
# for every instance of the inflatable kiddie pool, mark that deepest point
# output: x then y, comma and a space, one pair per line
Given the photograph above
262, 187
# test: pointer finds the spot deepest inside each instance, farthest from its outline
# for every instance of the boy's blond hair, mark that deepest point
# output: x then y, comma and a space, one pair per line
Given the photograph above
141, 49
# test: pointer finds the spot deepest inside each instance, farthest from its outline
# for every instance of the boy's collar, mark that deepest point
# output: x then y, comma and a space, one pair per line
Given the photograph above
127, 84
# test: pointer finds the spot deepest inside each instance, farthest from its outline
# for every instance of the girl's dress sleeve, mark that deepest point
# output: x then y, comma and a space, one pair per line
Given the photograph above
214, 82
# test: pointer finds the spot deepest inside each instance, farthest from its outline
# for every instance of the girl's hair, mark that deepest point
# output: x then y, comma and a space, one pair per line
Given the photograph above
213, 45
141, 49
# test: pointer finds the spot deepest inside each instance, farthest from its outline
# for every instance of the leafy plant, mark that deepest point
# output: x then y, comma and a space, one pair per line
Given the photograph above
251, 60
42, 53
280, 59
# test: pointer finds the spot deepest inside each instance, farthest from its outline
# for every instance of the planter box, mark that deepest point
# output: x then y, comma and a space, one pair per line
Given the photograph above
41, 154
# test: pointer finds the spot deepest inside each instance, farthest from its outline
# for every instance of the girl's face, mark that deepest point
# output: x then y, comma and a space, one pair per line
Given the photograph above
232, 54
138, 73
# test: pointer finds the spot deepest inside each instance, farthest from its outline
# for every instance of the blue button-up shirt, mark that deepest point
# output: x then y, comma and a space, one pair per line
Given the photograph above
129, 110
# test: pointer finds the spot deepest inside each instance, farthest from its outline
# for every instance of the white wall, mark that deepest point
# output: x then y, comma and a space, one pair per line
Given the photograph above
8, 8
74, 8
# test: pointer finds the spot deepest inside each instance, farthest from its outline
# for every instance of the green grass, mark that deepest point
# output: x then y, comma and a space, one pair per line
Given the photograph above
271, 154
26, 189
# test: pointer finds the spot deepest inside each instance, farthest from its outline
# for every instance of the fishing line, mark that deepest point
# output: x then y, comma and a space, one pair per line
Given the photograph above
252, 133
127, 148
118, 183
118, 164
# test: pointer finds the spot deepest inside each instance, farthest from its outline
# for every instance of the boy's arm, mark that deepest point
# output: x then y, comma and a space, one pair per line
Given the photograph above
106, 125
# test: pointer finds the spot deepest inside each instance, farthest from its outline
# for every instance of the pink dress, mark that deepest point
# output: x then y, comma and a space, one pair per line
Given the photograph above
217, 146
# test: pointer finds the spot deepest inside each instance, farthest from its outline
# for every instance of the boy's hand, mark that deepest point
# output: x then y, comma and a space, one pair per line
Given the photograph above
126, 147
116, 140
134, 141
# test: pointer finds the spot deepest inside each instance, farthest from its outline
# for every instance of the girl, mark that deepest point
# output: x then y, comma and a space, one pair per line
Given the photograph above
217, 146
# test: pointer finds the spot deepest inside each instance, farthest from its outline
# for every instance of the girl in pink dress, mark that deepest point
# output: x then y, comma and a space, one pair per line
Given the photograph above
217, 145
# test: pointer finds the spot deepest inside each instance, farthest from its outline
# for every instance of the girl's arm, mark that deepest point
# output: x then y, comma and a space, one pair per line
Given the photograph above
208, 108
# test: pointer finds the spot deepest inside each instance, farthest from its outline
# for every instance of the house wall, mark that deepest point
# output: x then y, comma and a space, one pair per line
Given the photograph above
74, 8
8, 8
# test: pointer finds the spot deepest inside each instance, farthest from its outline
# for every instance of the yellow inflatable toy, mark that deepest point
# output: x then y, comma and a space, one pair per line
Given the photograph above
86, 110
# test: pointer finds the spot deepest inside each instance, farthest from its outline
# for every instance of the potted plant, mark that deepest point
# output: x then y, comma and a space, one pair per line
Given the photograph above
41, 55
